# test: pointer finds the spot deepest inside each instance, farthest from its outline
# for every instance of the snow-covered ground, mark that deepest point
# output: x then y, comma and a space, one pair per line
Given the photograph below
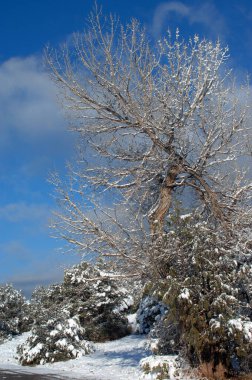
117, 360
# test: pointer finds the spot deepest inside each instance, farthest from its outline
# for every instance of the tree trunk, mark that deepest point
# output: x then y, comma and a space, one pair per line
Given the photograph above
158, 212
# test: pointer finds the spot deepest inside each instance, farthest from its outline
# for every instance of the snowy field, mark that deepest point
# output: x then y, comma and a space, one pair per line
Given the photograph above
117, 360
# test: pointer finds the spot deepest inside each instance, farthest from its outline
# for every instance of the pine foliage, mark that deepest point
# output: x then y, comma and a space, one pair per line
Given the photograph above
87, 306
57, 339
149, 313
98, 301
206, 281
14, 318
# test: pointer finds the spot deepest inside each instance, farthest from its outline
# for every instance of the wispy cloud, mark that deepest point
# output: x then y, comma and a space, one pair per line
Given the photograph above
29, 273
245, 8
14, 249
26, 269
21, 211
28, 282
34, 136
204, 13
27, 98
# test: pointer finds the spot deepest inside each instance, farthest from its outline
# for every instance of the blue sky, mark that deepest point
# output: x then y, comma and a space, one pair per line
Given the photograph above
34, 138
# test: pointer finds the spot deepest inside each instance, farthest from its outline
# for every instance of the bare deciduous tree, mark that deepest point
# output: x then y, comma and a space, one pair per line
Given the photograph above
154, 118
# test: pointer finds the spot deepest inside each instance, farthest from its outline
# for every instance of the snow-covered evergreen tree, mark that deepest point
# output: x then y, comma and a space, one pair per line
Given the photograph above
46, 302
56, 339
86, 306
205, 278
98, 301
14, 315
149, 313
88, 293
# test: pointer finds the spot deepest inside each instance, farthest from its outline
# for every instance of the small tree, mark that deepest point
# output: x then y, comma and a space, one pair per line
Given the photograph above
88, 294
46, 303
98, 301
149, 313
54, 339
208, 290
14, 312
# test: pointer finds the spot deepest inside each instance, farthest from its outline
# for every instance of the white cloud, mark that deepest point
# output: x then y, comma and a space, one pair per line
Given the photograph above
21, 211
204, 13
34, 136
28, 104
26, 268
13, 249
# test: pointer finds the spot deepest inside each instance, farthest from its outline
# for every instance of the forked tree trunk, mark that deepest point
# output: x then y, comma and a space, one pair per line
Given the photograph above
161, 208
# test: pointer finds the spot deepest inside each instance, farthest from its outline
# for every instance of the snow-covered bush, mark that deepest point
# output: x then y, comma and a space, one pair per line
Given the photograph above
59, 338
151, 319
241, 331
14, 317
89, 294
98, 301
165, 337
155, 368
45, 302
150, 311
48, 296
207, 283
86, 306
105, 327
